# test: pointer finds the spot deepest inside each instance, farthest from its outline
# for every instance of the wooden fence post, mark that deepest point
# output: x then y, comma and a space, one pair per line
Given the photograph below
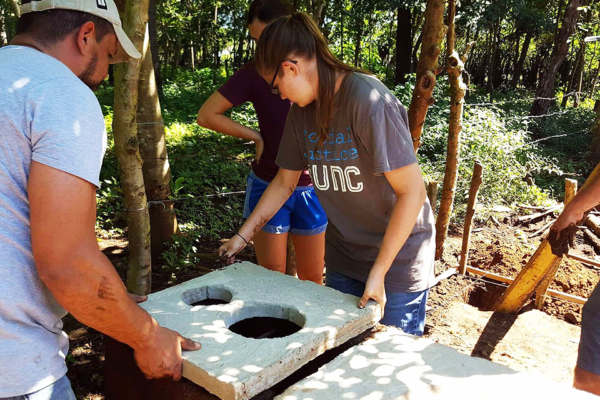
475, 184
540, 293
530, 277
432, 194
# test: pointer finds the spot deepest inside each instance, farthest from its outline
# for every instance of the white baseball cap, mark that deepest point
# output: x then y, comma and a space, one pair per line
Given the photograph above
102, 8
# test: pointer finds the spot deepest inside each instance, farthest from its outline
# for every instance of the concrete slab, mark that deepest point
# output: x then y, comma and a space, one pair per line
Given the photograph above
237, 368
394, 366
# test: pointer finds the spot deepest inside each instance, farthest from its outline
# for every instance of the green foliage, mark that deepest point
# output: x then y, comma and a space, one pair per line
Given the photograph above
206, 166
501, 136
203, 163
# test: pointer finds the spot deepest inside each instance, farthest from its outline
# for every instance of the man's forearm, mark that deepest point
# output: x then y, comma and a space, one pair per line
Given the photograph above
93, 292
587, 198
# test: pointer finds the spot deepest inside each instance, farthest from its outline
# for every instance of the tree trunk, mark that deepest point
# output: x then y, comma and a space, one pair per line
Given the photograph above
454, 67
451, 34
403, 45
559, 52
578, 86
518, 35
176, 57
578, 78
128, 156
16, 9
494, 60
558, 17
595, 146
415, 60
153, 149
318, 10
342, 29
594, 82
521, 62
154, 45
357, 39
573, 77
3, 35
428, 68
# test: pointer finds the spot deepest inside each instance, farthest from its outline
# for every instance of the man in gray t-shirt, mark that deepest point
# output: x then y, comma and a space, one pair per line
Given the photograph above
53, 142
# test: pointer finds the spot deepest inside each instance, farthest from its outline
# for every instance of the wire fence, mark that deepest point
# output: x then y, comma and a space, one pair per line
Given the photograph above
525, 119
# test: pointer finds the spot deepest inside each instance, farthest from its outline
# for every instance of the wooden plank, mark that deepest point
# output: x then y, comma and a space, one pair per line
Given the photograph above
554, 293
529, 218
531, 275
593, 263
475, 184
444, 275
540, 294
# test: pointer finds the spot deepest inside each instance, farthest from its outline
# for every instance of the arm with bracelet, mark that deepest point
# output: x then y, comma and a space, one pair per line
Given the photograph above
279, 190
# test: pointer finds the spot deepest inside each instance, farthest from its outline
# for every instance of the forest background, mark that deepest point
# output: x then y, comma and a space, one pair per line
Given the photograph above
197, 44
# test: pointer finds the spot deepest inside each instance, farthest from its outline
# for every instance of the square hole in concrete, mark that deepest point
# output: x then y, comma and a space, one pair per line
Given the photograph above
236, 367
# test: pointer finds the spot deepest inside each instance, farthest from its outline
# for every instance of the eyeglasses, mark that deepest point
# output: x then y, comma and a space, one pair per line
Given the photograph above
274, 89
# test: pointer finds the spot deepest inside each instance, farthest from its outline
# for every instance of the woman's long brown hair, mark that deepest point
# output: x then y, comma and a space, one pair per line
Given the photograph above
298, 35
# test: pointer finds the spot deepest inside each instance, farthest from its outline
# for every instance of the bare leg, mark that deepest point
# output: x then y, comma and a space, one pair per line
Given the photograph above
271, 250
310, 257
587, 381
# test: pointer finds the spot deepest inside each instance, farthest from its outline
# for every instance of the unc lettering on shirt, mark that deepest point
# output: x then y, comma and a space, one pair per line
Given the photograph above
341, 179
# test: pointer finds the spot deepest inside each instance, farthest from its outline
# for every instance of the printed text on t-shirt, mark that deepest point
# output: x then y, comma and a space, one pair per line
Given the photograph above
333, 176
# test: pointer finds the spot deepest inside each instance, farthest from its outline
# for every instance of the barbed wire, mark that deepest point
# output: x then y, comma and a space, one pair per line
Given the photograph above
472, 125
521, 100
165, 202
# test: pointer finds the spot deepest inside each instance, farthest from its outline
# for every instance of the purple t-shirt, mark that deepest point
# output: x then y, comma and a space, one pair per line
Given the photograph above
247, 85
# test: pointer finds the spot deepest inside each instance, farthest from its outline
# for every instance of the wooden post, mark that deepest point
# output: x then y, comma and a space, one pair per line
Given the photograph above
128, 155
428, 68
290, 259
153, 149
540, 293
454, 67
432, 193
475, 183
531, 275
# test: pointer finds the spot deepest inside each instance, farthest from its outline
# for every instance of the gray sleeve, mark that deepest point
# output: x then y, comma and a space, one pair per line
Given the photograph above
67, 130
290, 155
386, 137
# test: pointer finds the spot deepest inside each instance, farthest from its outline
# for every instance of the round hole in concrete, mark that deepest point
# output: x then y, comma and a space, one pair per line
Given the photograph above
207, 296
266, 321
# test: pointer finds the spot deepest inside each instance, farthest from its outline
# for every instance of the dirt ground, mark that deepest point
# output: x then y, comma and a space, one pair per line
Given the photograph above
458, 314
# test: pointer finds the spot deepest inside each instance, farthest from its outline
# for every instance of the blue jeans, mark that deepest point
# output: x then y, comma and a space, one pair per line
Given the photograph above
403, 309
59, 390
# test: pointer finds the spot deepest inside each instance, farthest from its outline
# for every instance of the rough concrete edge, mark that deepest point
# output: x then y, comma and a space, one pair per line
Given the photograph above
297, 360
212, 384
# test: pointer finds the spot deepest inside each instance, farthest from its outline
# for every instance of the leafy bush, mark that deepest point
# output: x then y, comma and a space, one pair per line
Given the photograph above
525, 159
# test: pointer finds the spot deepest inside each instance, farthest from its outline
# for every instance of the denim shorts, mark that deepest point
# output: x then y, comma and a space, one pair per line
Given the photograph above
403, 309
59, 390
302, 214
588, 357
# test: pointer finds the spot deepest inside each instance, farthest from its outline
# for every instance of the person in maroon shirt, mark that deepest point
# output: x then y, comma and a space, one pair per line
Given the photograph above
302, 215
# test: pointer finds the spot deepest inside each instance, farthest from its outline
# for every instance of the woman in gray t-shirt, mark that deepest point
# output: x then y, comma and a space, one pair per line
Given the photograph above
352, 135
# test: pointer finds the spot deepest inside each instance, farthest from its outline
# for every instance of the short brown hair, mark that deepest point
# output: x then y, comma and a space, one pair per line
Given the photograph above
52, 26
267, 11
